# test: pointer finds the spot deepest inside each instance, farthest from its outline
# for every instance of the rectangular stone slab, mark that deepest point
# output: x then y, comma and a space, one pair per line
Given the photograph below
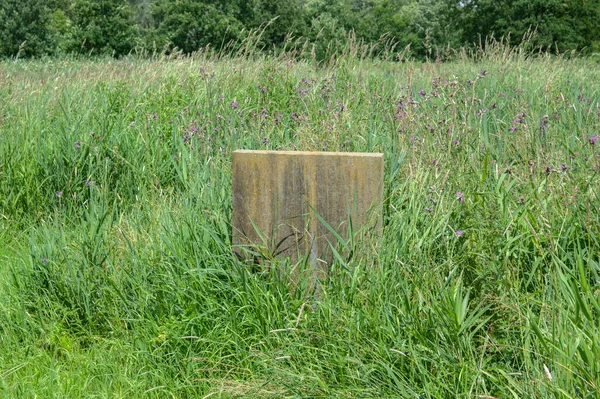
277, 195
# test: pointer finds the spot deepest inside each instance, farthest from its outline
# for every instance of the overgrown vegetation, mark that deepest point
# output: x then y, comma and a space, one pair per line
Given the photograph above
116, 271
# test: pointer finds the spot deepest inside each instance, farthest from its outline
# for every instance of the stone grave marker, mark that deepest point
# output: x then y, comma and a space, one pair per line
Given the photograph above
284, 200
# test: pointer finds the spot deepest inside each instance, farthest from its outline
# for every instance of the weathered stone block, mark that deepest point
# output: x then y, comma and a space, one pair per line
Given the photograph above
278, 194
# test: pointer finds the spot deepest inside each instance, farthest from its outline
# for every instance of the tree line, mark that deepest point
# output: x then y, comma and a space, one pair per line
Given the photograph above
36, 28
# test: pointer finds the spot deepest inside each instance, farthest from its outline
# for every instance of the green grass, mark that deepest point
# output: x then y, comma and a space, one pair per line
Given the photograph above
117, 277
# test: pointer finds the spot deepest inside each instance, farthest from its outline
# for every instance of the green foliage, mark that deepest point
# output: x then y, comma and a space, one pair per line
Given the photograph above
117, 276
429, 28
23, 28
191, 25
280, 19
102, 27
559, 25
328, 34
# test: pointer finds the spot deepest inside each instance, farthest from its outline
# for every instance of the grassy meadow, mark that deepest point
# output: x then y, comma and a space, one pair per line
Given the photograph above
117, 278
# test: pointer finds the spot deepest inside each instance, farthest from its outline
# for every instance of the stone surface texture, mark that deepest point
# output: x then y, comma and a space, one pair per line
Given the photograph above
276, 195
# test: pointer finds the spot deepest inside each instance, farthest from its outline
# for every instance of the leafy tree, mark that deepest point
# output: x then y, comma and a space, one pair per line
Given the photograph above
35, 27
561, 24
423, 24
102, 26
191, 25
279, 19
328, 24
24, 28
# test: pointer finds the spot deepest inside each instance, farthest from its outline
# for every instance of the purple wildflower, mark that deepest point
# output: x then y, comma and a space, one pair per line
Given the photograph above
77, 144
543, 122
593, 140
459, 233
58, 194
422, 92
234, 104
44, 260
563, 167
459, 196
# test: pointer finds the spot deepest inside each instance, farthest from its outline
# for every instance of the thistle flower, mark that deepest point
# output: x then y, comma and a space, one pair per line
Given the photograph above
593, 139
543, 126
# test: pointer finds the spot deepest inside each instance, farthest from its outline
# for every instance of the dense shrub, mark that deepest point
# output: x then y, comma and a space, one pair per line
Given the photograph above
116, 27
